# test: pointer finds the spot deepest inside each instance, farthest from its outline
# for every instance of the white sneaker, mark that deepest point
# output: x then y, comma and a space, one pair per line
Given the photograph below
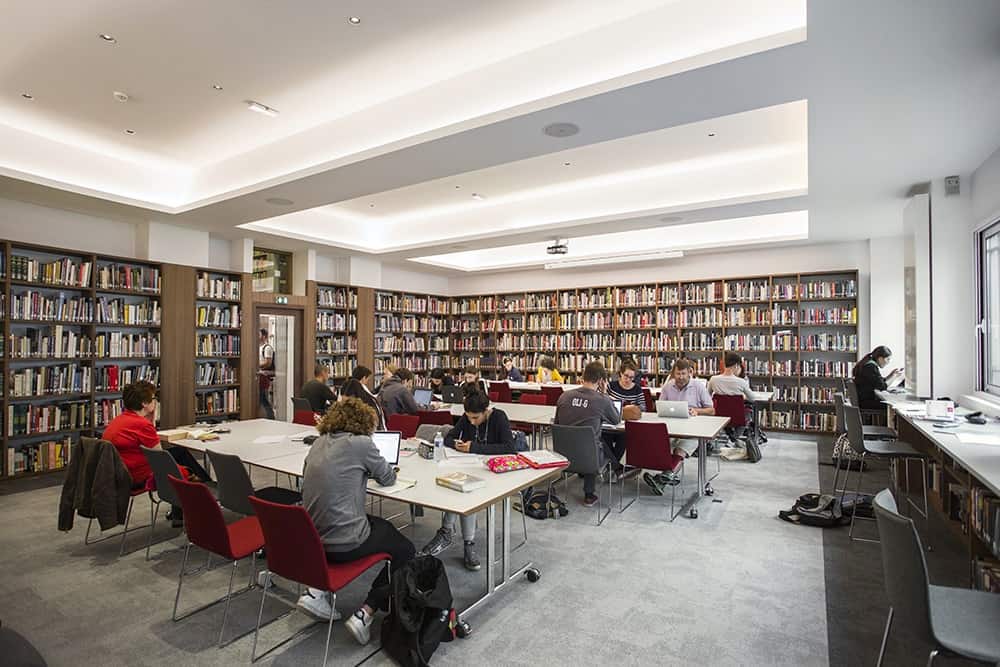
317, 603
264, 579
359, 625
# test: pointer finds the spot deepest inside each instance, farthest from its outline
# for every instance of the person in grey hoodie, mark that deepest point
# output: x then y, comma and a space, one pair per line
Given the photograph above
396, 394
336, 473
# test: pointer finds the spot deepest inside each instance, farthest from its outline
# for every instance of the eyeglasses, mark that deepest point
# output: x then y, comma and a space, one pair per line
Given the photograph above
628, 376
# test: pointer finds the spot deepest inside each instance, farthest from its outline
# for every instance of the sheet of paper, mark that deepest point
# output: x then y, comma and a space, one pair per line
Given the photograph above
454, 454
268, 439
973, 438
400, 485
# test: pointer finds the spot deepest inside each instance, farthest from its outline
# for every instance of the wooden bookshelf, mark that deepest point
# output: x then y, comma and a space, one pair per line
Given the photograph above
221, 311
411, 330
336, 318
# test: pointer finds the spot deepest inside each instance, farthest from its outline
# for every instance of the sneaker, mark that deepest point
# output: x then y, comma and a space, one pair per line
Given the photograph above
316, 603
653, 483
264, 579
359, 625
590, 500
176, 518
668, 478
439, 543
471, 557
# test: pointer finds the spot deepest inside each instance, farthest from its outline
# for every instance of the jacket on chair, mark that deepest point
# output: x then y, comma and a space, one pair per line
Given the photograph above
97, 486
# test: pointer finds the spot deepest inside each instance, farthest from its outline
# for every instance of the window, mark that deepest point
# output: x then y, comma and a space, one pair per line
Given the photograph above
989, 308
272, 271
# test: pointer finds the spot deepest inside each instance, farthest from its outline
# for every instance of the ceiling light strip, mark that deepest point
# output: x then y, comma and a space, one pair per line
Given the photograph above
614, 259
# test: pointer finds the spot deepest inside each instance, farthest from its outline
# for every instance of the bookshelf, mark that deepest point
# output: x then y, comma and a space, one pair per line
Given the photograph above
412, 331
218, 326
336, 330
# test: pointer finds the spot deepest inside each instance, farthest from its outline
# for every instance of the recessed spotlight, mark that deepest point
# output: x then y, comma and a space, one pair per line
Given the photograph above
711, 134
561, 129
27, 96
371, 205
354, 20
477, 196
130, 132
261, 108
458, 187
566, 164
216, 86
120, 96
279, 201
108, 38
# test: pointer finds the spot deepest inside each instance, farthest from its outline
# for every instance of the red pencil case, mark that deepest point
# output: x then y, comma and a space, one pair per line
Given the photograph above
506, 463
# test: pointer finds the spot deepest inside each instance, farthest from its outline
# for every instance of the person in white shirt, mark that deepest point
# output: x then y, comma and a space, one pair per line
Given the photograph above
729, 382
265, 374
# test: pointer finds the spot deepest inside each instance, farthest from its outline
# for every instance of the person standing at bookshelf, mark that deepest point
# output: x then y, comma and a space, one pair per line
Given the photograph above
868, 377
587, 406
357, 387
135, 427
317, 390
265, 373
396, 394
481, 430
547, 372
511, 372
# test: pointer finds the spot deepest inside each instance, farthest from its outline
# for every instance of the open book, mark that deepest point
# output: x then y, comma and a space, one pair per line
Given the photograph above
543, 458
400, 485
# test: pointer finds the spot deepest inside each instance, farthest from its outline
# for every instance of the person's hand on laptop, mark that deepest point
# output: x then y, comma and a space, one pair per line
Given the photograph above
692, 411
463, 446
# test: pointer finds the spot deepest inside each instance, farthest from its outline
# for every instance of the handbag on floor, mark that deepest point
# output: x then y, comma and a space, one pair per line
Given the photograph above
814, 509
544, 504
844, 455
421, 614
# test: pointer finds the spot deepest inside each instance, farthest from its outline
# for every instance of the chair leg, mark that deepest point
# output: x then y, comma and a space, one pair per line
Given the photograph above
930, 658
154, 510
128, 515
847, 480
256, 630
857, 492
180, 579
86, 537
229, 597
836, 473
885, 638
329, 633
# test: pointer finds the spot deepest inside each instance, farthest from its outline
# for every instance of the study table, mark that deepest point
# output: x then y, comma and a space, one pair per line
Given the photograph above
255, 442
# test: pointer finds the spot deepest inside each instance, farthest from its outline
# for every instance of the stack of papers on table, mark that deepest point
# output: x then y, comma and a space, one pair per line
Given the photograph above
973, 438
400, 485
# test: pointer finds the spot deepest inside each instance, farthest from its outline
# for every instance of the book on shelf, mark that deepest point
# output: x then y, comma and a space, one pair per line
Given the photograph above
460, 481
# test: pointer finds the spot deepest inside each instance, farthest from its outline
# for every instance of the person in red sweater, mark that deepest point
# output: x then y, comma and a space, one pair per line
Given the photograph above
135, 428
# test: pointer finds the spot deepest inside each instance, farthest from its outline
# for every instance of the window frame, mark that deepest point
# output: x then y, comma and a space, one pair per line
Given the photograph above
983, 324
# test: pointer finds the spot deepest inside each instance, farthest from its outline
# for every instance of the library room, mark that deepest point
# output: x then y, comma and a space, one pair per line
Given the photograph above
552, 332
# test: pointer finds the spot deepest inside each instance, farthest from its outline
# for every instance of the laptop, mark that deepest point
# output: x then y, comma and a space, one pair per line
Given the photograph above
452, 394
387, 443
618, 408
423, 396
675, 409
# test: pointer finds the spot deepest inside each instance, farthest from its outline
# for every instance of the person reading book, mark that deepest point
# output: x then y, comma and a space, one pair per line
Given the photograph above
333, 492
135, 427
547, 372
481, 430
357, 387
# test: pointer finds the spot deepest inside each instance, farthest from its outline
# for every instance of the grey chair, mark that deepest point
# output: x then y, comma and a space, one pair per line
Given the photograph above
163, 466
235, 488
585, 456
956, 621
894, 452
871, 431
428, 431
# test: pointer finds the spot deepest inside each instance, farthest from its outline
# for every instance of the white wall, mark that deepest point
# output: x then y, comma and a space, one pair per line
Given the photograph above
886, 292
333, 269
163, 242
398, 278
985, 184
30, 223
220, 254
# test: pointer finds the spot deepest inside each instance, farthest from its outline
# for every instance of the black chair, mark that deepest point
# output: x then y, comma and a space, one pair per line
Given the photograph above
871, 431
894, 452
866, 413
956, 621
577, 444
163, 466
234, 487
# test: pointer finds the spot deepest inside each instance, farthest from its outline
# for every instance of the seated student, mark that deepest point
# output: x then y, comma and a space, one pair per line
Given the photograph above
510, 371
396, 394
357, 387
317, 391
333, 492
481, 430
387, 372
547, 371
586, 406
682, 387
135, 427
626, 390
472, 382
439, 379
868, 377
731, 382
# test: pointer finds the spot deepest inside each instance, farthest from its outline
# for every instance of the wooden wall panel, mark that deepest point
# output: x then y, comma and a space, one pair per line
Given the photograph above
366, 327
249, 393
177, 346
309, 332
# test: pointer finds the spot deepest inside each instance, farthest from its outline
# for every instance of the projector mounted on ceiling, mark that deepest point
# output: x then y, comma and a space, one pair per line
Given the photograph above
558, 247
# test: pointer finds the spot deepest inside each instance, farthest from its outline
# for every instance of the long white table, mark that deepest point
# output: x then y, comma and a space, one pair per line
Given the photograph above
288, 457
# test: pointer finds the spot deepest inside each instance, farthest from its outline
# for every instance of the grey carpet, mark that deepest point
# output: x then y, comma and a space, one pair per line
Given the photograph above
735, 587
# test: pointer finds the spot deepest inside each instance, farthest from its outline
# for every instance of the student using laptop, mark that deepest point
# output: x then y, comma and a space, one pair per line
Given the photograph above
472, 382
423, 397
731, 383
681, 388
333, 493
440, 379
587, 406
547, 371
396, 395
317, 391
481, 430
357, 387
510, 371
626, 390
868, 377
387, 372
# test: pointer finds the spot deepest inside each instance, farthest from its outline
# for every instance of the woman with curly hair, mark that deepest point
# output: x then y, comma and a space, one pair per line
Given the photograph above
337, 469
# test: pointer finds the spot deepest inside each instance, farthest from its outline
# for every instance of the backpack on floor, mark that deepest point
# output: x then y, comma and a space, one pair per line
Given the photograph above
814, 509
544, 504
844, 455
421, 614
753, 450
860, 504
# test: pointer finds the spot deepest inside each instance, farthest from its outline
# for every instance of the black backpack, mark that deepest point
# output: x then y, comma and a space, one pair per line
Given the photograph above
544, 504
753, 450
814, 509
421, 614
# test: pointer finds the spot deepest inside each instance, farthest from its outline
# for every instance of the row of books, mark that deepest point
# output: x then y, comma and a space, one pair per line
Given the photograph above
51, 342
803, 420
119, 311
985, 518
215, 373
987, 575
27, 419
217, 402
218, 316
337, 297
336, 345
339, 368
390, 302
114, 377
49, 380
209, 286
838, 315
217, 345
830, 342
130, 277
828, 289
34, 305
119, 344
401, 361
39, 457
751, 290
399, 344
64, 272
107, 409
326, 321
804, 393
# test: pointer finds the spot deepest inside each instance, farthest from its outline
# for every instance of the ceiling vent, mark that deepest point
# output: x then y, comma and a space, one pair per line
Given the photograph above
561, 129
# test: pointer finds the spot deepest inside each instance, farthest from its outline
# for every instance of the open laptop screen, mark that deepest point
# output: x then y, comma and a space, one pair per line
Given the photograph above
387, 443
423, 396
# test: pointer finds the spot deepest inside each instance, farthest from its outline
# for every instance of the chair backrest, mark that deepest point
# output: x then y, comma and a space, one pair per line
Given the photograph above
407, 424
650, 401
577, 444
163, 466
494, 396
732, 407
300, 404
533, 399
203, 520
838, 414
904, 569
503, 392
552, 394
855, 431
234, 485
442, 417
294, 550
647, 445
428, 431
852, 392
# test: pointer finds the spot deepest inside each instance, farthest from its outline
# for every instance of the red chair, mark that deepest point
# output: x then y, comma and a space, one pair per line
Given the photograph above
294, 551
494, 396
302, 412
442, 417
503, 392
406, 424
551, 394
647, 446
734, 408
207, 529
650, 401
533, 399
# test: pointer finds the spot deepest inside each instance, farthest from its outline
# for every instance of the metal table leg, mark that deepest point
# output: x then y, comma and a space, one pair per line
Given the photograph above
704, 488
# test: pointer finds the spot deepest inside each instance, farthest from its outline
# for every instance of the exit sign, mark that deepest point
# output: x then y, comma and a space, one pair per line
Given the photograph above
281, 299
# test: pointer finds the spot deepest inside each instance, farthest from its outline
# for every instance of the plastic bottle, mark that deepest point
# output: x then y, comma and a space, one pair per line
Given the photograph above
439, 447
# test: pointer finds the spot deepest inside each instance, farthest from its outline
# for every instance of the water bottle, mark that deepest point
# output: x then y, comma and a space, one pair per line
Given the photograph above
439, 447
